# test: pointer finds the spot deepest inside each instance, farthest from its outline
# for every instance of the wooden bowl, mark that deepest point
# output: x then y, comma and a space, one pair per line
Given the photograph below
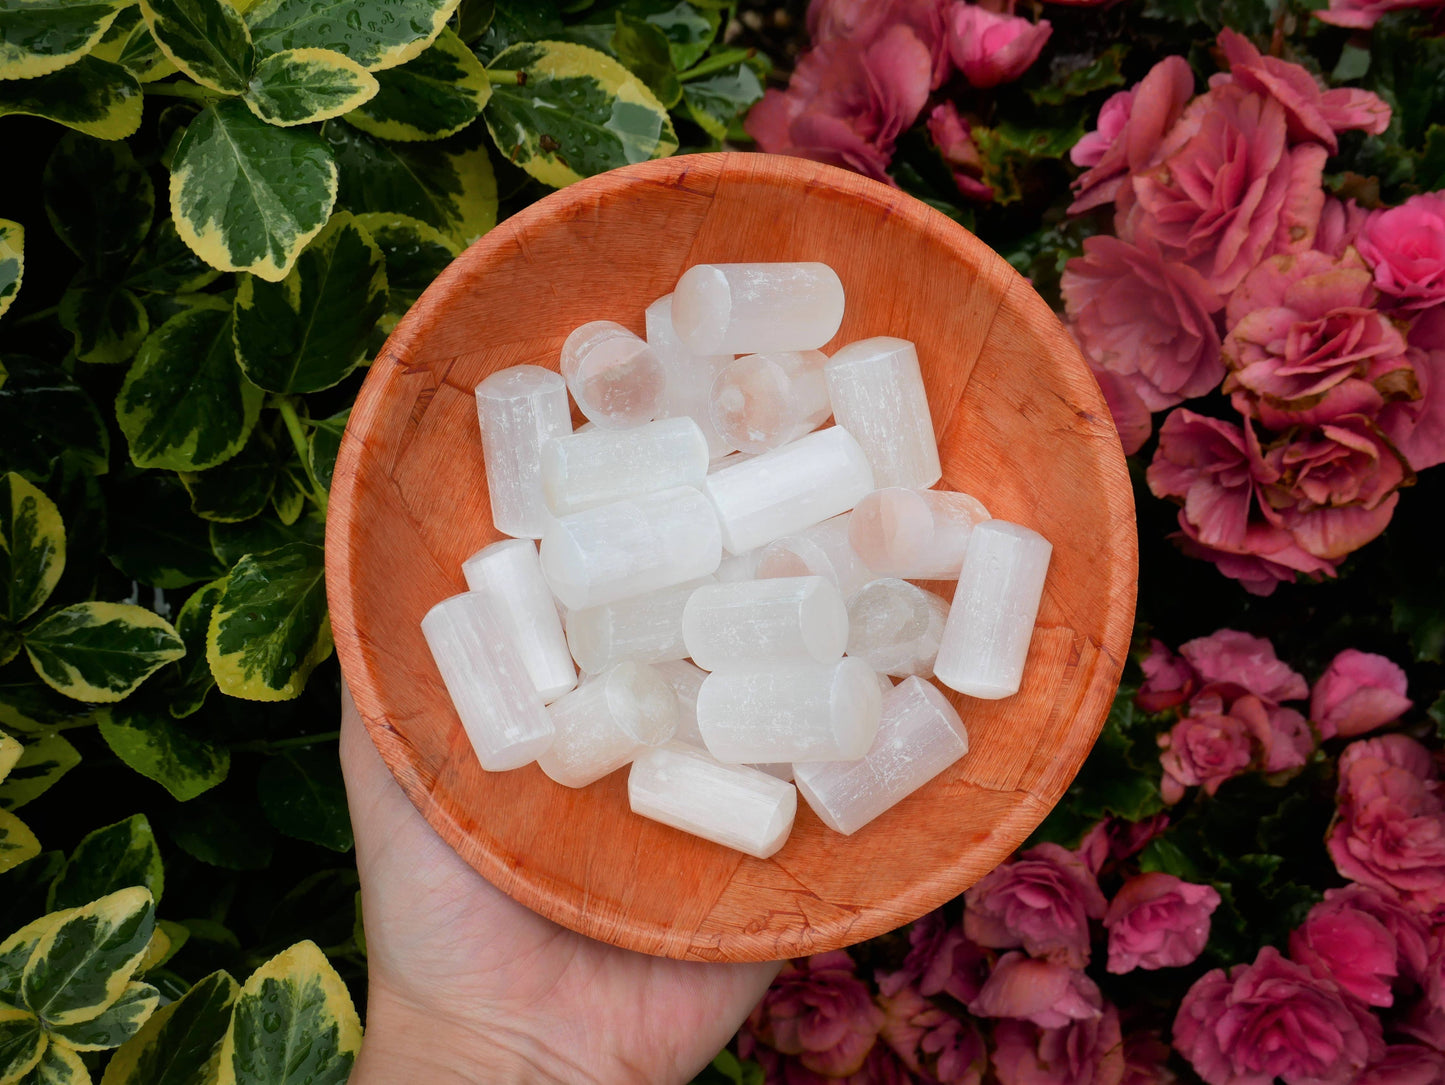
1021, 425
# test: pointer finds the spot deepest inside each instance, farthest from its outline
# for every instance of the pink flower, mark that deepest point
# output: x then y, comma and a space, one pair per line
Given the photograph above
880, 1067
1042, 901
1146, 1059
1273, 1018
1365, 13
1231, 658
1089, 1052
1159, 99
1405, 246
820, 1011
1113, 117
1413, 943
865, 20
929, 1040
1358, 692
847, 102
940, 960
1340, 222
1417, 427
953, 137
1218, 741
1145, 318
1158, 921
1169, 680
991, 49
1127, 408
1405, 1064
1361, 941
1116, 839
1050, 995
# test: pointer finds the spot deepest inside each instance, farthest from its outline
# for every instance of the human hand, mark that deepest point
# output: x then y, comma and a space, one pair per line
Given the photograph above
467, 985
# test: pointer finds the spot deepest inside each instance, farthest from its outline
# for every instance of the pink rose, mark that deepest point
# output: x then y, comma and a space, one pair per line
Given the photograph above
1231, 658
991, 49
1358, 692
929, 1040
1405, 1064
1089, 1052
1169, 680
820, 1011
1113, 117
864, 20
1115, 839
1050, 995
1042, 901
1405, 246
1148, 319
1340, 223
940, 960
1130, 413
1417, 427
1158, 921
1146, 1059
953, 137
1365, 13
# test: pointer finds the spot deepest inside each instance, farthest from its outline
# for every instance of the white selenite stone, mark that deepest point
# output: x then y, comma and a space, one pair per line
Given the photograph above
689, 376
748, 308
877, 392
780, 770
615, 377
759, 712
584, 470
511, 571
761, 401
822, 550
519, 409
800, 619
986, 638
914, 534
896, 626
737, 567
781, 492
603, 723
732, 805
646, 628
631, 547
685, 680
499, 706
919, 736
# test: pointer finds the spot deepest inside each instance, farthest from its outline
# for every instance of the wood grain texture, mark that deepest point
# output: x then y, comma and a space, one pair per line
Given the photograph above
1021, 424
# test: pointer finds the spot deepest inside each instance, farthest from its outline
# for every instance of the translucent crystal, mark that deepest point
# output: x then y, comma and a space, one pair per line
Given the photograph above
584, 470
646, 628
821, 550
914, 534
735, 567
748, 308
689, 376
615, 377
780, 770
788, 489
799, 618
761, 401
500, 708
896, 626
918, 737
685, 680
511, 571
602, 724
631, 547
877, 392
986, 638
789, 711
732, 805
519, 409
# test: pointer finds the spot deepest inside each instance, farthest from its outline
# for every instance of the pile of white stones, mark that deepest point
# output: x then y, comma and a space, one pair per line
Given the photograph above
702, 515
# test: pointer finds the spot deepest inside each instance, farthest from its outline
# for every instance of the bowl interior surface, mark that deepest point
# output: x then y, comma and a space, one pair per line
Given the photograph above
1020, 423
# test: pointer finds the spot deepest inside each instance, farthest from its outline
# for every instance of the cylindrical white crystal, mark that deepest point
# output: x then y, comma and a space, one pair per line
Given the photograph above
919, 736
822, 550
499, 706
685, 680
799, 618
789, 711
602, 724
735, 567
646, 628
877, 392
780, 770
511, 571
896, 626
689, 376
732, 805
986, 637
914, 534
615, 377
584, 470
781, 492
519, 409
631, 547
761, 401
746, 308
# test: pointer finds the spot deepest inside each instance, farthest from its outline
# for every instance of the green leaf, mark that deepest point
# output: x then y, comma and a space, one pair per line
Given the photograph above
1163, 854
120, 1021
579, 113
713, 102
58, 1066
1101, 72
473, 18
82, 965
107, 860
270, 628
1009, 150
309, 331
92, 96
30, 707
23, 898
158, 747
205, 39
12, 268
247, 196
295, 86
216, 830
40, 767
16, 951
375, 33
166, 265
302, 795
1353, 64
154, 538
38, 37
184, 404
22, 1042
100, 652
293, 1023
107, 322
130, 44
520, 20
289, 496
32, 548
192, 623
44, 414
181, 1043
232, 542
643, 49
10, 751
434, 96
237, 489
728, 1069
17, 842
416, 253
99, 201
325, 444
689, 29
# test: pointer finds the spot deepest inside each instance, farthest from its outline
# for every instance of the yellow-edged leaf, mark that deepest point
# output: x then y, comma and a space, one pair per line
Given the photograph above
181, 1043
38, 37
10, 751
42, 763
17, 842
205, 39
92, 96
58, 1066
376, 34
32, 548
22, 1043
432, 97
121, 1020
82, 965
296, 86
16, 951
12, 263
100, 652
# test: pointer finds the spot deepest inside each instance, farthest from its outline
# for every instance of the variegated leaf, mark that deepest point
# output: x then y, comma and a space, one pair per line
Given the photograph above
180, 1044
10, 751
177, 757
296, 86
83, 964
17, 842
109, 859
99, 200
375, 33
12, 264
38, 37
58, 1066
416, 253
38, 768
129, 43
107, 322
205, 39
100, 652
92, 96
16, 951
121, 1020
32, 549
432, 97
22, 1042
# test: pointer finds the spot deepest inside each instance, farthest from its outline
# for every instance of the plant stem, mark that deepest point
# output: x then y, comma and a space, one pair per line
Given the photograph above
277, 745
507, 77
180, 90
39, 314
715, 63
287, 406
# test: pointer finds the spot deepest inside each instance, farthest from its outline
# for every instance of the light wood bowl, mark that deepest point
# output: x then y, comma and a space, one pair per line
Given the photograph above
1021, 425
